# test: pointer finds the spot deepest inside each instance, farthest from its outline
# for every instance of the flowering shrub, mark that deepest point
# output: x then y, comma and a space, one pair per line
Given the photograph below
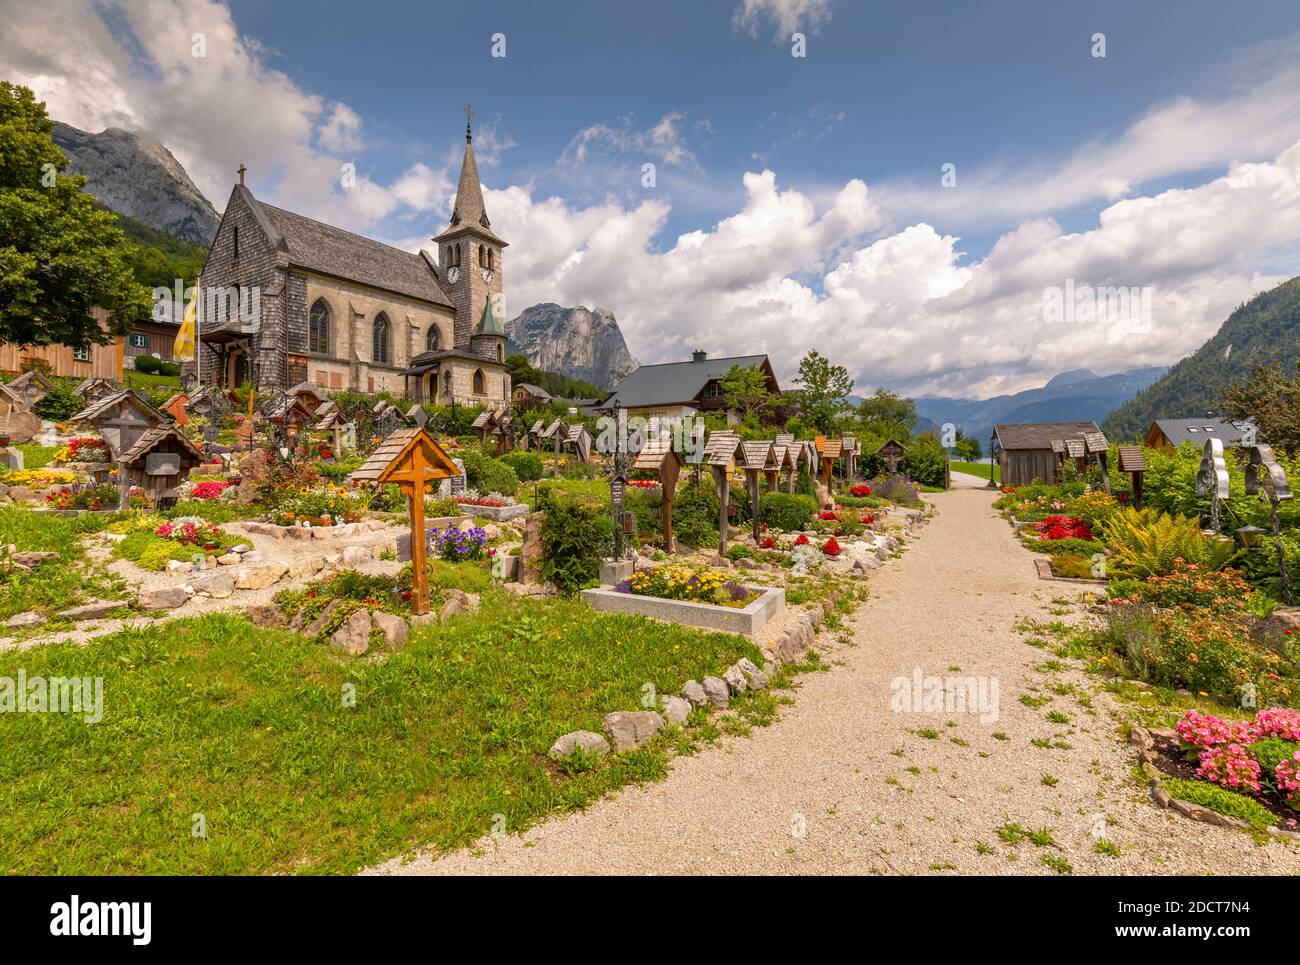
322, 505
189, 529
84, 496
455, 545
39, 477
827, 514
85, 449
680, 582
767, 543
1063, 527
1261, 756
831, 547
210, 490
801, 540
467, 500
643, 483
867, 519
898, 489
860, 490
1190, 586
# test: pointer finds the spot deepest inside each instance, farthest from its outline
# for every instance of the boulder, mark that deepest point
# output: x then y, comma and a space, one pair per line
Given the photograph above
419, 620
1283, 619
354, 635
306, 567
586, 740
755, 679
90, 611
356, 555
32, 558
266, 615
180, 566
676, 709
241, 549
392, 626
229, 559
694, 693
629, 729
28, 619
735, 680
450, 609
21, 494
218, 586
23, 427
162, 598
718, 692
260, 577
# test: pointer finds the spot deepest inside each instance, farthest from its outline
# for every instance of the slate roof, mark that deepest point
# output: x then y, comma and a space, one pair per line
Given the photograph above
1197, 430
1039, 435
757, 455
720, 448
674, 383
333, 251
97, 409
1131, 459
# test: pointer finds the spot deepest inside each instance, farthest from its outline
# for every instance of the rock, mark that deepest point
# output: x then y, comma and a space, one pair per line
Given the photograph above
180, 566
21, 494
28, 619
491, 531
162, 598
585, 740
306, 567
530, 554
266, 615
1284, 619
450, 609
23, 427
229, 559
89, 611
629, 729
218, 585
32, 558
676, 709
317, 626
241, 549
253, 556
392, 626
260, 577
718, 692
419, 620
1160, 795
333, 559
356, 555
578, 342
354, 635
735, 680
694, 693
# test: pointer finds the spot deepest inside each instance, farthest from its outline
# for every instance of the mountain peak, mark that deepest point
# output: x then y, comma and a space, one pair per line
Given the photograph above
579, 342
1070, 377
134, 175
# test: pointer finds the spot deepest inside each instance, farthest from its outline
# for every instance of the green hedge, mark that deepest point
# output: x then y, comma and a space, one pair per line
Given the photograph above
575, 534
527, 465
488, 475
786, 511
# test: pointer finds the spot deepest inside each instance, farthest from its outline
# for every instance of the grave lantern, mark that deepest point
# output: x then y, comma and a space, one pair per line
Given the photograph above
410, 459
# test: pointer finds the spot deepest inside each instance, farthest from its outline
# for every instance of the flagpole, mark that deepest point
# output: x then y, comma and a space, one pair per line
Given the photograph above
198, 327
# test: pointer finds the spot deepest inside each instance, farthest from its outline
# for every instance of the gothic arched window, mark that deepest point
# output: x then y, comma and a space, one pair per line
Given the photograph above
432, 338
501, 353
318, 328
380, 352
480, 383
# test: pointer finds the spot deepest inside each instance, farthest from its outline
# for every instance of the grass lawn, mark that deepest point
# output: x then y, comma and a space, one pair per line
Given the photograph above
980, 469
596, 488
252, 729
56, 584
150, 381
36, 457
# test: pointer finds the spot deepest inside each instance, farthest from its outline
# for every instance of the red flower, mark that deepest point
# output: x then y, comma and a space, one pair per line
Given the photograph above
831, 547
801, 540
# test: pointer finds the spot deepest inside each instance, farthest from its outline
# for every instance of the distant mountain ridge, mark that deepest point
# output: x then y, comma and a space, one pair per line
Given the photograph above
1075, 394
139, 178
580, 343
1263, 331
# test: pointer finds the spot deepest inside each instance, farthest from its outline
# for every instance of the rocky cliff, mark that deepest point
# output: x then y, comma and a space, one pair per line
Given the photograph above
139, 178
578, 342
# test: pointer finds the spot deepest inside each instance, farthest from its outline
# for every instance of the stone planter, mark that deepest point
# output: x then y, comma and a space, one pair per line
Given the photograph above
498, 514
748, 620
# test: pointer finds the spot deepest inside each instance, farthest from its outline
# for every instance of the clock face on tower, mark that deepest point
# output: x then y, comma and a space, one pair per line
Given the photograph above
487, 275
452, 274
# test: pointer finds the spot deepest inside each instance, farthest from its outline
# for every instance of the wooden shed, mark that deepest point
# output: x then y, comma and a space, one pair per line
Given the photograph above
1027, 452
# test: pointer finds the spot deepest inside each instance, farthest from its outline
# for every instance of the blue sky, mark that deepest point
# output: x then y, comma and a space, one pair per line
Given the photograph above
798, 201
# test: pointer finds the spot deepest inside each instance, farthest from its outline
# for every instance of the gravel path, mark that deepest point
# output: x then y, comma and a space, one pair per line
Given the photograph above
844, 785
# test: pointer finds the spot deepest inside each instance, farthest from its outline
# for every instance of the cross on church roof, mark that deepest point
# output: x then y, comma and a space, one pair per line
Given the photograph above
469, 117
242, 169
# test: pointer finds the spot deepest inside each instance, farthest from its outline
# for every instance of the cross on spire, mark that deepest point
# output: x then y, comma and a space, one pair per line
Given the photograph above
242, 169
469, 117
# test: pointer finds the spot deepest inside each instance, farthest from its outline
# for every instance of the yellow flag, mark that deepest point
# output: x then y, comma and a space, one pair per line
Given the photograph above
185, 338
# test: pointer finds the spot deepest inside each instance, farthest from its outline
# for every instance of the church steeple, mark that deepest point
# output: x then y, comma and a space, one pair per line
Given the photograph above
470, 253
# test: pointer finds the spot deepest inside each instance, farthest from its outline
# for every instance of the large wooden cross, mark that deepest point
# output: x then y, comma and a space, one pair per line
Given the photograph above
411, 459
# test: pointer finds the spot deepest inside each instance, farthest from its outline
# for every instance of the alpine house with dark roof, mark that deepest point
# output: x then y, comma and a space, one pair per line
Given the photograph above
682, 389
342, 311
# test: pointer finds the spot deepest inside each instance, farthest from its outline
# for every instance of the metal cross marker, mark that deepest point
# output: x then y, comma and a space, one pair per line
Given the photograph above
242, 169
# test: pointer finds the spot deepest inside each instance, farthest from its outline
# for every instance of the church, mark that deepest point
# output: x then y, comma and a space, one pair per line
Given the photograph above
339, 311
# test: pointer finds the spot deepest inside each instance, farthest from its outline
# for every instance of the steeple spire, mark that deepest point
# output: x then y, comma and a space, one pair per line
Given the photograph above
469, 207
469, 116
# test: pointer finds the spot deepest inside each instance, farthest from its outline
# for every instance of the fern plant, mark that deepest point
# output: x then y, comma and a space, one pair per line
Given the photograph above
1146, 543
